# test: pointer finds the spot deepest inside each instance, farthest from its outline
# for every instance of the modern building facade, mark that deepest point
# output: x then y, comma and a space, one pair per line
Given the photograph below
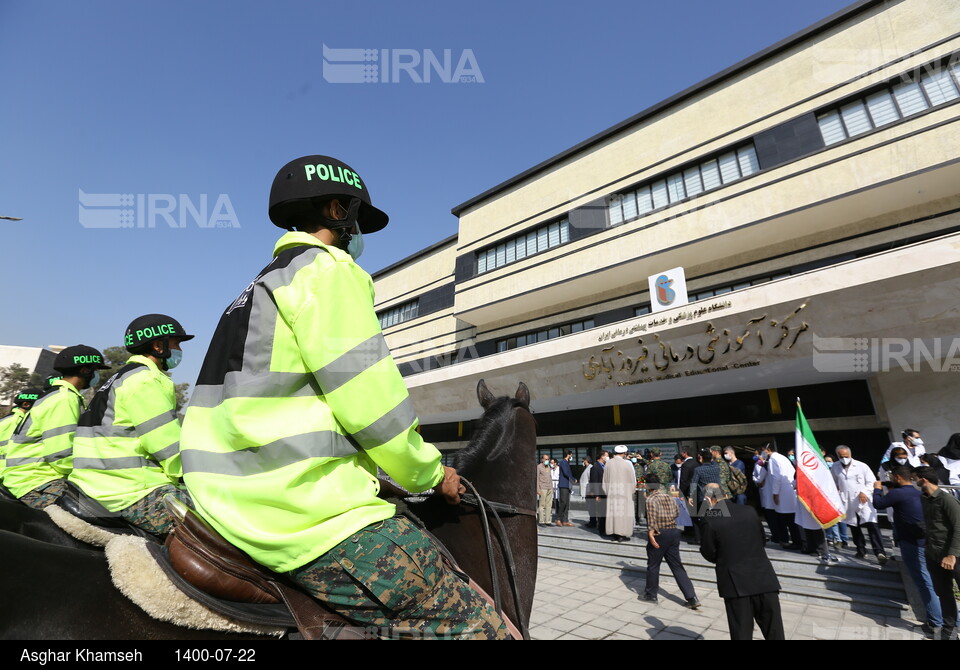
811, 195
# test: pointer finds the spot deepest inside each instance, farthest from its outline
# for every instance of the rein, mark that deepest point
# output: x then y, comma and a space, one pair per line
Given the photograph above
474, 499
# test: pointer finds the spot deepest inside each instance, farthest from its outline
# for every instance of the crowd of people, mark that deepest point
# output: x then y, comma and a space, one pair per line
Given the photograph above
687, 497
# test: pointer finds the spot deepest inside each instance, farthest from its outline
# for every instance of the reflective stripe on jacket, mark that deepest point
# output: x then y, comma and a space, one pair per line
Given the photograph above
297, 403
41, 449
128, 441
8, 424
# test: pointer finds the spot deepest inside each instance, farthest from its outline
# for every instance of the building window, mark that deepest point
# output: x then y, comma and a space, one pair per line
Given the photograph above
938, 85
399, 314
709, 174
517, 248
543, 335
641, 310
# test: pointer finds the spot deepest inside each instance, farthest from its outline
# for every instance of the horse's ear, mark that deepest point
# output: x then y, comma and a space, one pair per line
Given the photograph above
523, 395
483, 395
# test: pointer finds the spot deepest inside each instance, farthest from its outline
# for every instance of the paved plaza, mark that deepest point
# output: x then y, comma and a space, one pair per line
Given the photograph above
574, 602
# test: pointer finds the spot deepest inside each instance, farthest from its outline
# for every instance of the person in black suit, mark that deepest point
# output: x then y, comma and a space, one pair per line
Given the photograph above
686, 476
596, 492
733, 539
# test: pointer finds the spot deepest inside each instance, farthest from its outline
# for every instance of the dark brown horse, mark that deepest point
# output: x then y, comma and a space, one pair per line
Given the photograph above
56, 592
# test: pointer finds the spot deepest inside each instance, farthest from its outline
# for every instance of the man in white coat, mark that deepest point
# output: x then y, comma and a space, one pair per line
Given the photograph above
912, 444
766, 497
854, 481
780, 476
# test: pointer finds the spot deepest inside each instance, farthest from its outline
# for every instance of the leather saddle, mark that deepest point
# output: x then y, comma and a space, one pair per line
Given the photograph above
200, 556
87, 509
6, 495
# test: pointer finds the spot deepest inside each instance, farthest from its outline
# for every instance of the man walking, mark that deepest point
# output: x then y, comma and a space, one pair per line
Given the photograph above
596, 494
663, 542
905, 501
733, 539
941, 513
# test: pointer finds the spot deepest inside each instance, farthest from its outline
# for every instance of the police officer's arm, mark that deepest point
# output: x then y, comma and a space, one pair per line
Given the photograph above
340, 340
58, 425
149, 405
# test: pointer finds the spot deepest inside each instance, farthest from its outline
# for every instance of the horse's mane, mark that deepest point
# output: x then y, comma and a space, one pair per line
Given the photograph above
487, 433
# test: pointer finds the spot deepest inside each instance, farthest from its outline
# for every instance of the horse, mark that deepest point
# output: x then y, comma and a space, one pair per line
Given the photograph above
15, 517
81, 602
495, 462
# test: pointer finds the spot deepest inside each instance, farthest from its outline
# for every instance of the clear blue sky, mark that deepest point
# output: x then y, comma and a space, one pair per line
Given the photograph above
178, 97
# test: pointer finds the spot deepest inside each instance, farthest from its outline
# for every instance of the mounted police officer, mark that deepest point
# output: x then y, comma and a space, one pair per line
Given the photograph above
297, 405
40, 453
127, 447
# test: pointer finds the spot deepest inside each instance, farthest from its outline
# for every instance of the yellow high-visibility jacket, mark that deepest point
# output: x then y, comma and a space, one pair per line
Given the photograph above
128, 441
8, 424
297, 403
41, 449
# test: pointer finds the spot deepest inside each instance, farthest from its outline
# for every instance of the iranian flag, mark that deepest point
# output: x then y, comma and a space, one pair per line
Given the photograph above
815, 487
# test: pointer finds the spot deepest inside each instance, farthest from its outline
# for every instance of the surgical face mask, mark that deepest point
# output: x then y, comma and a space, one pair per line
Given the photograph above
95, 379
901, 461
633, 460
917, 442
175, 357
355, 245
729, 457
846, 461
829, 464
793, 459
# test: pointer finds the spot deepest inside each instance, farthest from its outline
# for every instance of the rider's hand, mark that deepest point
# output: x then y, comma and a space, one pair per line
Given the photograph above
450, 488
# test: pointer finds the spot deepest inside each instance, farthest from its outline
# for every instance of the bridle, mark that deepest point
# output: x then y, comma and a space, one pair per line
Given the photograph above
474, 499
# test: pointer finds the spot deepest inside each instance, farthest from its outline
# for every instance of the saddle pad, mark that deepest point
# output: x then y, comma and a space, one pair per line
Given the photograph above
139, 574
78, 528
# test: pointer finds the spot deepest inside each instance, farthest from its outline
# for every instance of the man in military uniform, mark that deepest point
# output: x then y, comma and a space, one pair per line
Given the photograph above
298, 404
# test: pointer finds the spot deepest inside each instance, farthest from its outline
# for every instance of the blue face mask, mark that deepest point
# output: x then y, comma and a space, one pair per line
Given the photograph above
95, 379
355, 246
175, 357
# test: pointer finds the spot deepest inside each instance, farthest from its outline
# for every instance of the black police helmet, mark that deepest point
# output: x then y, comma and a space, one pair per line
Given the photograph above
27, 395
301, 183
79, 356
149, 327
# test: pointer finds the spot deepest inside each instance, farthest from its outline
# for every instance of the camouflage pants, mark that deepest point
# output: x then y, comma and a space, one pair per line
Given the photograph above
390, 577
149, 513
45, 494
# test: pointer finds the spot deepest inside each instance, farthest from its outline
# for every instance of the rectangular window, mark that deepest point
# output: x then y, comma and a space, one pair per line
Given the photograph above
831, 128
629, 206
564, 231
511, 251
711, 175
882, 109
553, 235
909, 98
691, 181
728, 167
542, 237
855, 118
644, 201
615, 208
660, 198
939, 87
747, 158
675, 187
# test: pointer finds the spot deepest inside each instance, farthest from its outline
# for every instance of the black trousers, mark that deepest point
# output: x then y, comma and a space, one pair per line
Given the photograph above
787, 530
875, 540
763, 608
816, 541
943, 586
563, 506
669, 549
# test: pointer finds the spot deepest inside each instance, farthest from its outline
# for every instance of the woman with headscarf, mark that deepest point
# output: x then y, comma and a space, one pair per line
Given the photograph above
950, 458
